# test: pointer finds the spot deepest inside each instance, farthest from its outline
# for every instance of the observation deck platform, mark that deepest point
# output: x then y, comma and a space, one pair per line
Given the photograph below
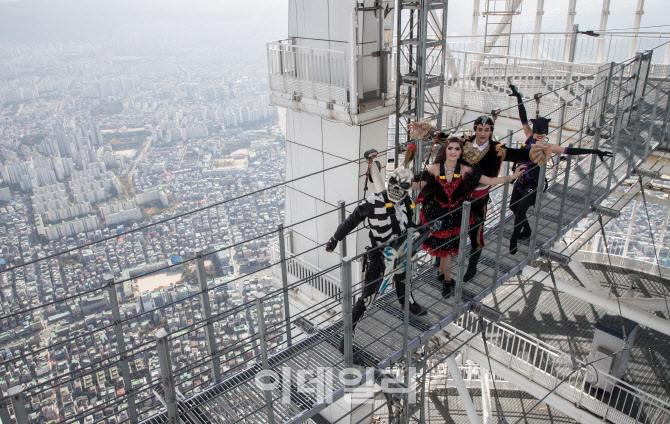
379, 336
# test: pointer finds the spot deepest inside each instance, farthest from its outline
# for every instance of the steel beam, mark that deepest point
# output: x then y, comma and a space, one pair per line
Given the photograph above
260, 318
284, 282
167, 376
121, 346
17, 398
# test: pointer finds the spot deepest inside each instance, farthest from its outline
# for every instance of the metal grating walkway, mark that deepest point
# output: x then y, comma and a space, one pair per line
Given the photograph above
379, 335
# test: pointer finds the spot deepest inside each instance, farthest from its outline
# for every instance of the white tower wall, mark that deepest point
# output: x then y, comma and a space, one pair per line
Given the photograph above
320, 135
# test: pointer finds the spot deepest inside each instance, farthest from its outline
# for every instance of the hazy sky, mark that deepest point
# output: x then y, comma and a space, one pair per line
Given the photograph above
258, 20
212, 20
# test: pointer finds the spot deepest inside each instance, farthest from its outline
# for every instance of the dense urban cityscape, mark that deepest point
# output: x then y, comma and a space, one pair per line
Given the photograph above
95, 148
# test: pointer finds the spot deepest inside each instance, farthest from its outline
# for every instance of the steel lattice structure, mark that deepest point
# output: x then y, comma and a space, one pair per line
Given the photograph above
421, 29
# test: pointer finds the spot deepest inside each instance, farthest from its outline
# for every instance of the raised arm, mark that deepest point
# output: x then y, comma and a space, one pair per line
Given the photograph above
359, 214
527, 130
501, 180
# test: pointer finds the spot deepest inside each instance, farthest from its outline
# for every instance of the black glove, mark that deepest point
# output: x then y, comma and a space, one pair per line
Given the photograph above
522, 108
515, 93
330, 246
602, 154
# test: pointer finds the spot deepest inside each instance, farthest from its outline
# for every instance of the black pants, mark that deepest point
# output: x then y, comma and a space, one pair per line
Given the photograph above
520, 202
373, 280
478, 211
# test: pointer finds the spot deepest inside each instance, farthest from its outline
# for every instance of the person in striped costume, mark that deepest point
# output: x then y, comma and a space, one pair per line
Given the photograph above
444, 186
389, 215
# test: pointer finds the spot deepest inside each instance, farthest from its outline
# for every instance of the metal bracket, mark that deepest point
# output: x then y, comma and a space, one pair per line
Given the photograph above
646, 173
559, 258
602, 210
486, 312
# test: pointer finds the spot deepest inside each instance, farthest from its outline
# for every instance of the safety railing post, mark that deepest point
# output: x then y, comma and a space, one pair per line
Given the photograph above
207, 315
347, 305
636, 137
583, 121
647, 146
559, 129
592, 169
408, 288
405, 328
462, 244
284, 283
606, 94
418, 163
167, 376
260, 317
538, 208
342, 213
503, 214
17, 398
616, 130
666, 117
121, 346
422, 396
564, 194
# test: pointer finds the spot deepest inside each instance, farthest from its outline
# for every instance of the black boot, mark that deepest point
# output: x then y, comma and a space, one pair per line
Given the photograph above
472, 265
513, 240
414, 308
418, 310
512, 246
447, 288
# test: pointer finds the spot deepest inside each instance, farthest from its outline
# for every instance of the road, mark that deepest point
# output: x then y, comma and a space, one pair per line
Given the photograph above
139, 156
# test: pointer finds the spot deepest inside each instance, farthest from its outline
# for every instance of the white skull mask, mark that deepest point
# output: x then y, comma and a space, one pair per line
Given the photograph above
399, 184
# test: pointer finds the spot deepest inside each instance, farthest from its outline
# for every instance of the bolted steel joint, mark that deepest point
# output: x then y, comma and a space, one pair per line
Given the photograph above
601, 210
486, 312
559, 258
646, 173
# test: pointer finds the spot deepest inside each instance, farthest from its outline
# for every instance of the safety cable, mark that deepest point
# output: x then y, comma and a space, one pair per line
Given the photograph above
651, 233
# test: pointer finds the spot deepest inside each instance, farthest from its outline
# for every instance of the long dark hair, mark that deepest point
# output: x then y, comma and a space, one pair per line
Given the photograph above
441, 154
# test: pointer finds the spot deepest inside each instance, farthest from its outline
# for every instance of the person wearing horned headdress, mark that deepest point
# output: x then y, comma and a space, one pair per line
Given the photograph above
523, 194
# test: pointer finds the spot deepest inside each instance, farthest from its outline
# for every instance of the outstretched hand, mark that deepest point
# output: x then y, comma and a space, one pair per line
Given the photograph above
602, 154
515, 93
330, 245
419, 130
519, 170
546, 148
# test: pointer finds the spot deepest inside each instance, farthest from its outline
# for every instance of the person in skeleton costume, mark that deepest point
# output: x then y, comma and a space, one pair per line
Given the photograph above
444, 186
389, 214
523, 194
481, 151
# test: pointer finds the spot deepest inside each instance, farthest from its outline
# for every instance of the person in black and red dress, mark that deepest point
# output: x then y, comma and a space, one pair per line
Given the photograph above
444, 186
